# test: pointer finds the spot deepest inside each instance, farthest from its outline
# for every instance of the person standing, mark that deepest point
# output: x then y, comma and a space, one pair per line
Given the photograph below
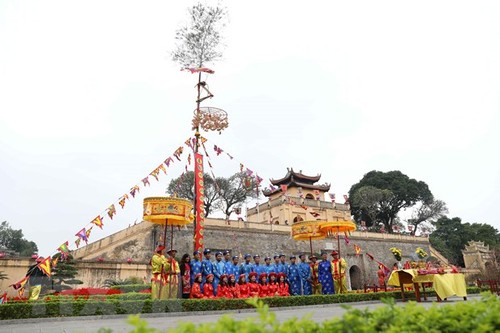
195, 265
234, 268
305, 275
257, 266
185, 267
268, 267
293, 275
227, 261
339, 266
246, 267
36, 277
284, 266
381, 276
325, 275
219, 270
159, 266
207, 267
316, 286
277, 264
172, 275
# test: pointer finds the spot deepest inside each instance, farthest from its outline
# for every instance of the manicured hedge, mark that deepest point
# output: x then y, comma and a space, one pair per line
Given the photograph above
141, 303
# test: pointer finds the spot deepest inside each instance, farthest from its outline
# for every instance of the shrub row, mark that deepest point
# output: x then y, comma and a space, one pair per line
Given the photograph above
141, 303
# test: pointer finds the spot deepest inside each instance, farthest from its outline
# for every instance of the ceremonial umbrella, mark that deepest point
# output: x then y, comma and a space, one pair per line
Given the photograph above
168, 211
335, 227
307, 230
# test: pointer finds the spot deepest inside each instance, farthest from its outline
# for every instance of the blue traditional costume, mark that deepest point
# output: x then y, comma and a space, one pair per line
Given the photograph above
207, 267
246, 267
305, 275
218, 270
294, 277
195, 265
325, 276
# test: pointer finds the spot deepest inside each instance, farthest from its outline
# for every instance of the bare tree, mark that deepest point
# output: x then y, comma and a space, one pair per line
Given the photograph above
199, 42
235, 190
425, 212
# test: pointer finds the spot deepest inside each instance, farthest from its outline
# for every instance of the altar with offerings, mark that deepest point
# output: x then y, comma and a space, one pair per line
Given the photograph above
445, 284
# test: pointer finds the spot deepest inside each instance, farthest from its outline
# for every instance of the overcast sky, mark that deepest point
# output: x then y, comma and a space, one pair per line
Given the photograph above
91, 102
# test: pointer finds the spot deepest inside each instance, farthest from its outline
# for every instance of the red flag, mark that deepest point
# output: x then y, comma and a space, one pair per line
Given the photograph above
284, 188
198, 70
199, 225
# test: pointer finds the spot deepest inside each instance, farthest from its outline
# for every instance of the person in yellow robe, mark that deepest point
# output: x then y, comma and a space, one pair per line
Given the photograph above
316, 285
172, 274
159, 266
339, 266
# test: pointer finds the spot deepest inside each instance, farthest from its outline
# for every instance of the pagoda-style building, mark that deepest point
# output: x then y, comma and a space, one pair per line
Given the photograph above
478, 256
296, 197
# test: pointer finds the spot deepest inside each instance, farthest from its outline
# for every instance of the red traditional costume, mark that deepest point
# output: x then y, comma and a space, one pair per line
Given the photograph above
208, 288
196, 288
263, 286
273, 285
243, 287
253, 286
283, 288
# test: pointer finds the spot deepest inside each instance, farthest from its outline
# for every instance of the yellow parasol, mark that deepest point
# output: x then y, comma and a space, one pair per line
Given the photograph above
331, 228
168, 211
307, 230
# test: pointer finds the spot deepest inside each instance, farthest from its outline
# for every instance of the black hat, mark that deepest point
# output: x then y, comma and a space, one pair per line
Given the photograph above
293, 257
276, 256
302, 255
217, 253
235, 257
226, 252
267, 258
196, 252
282, 255
256, 256
207, 251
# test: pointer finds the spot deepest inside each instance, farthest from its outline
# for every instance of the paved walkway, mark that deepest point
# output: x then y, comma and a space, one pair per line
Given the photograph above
165, 321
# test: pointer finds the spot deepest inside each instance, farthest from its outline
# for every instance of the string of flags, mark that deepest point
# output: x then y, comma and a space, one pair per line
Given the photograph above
84, 233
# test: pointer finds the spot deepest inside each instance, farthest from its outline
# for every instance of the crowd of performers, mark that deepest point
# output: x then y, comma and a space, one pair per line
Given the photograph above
226, 277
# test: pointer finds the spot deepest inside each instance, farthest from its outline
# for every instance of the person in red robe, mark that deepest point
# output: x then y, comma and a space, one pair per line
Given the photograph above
243, 286
223, 289
196, 287
273, 285
381, 276
234, 288
263, 286
208, 288
283, 288
253, 286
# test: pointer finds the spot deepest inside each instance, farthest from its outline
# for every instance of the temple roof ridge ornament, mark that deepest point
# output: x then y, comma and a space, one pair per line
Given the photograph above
297, 179
292, 175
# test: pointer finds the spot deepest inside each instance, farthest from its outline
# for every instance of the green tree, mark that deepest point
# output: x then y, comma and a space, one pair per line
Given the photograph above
14, 240
183, 187
64, 273
451, 236
235, 190
396, 191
